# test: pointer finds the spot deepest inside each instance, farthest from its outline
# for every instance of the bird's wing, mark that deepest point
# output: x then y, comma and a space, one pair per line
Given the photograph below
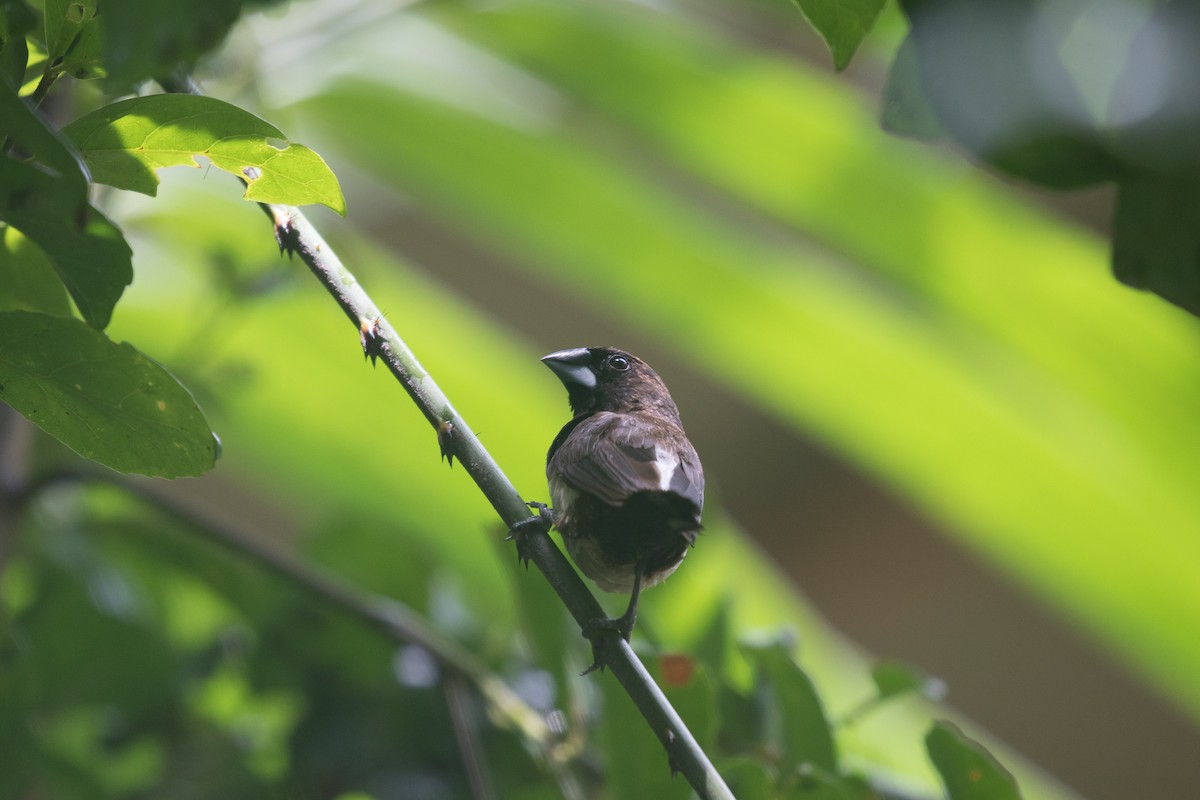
612, 456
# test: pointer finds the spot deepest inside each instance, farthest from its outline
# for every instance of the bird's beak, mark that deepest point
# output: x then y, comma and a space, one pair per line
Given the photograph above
573, 367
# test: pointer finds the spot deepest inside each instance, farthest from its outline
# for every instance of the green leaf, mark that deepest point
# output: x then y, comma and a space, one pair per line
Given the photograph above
794, 710
84, 59
894, 678
47, 200
636, 763
64, 20
1017, 108
968, 770
22, 126
106, 401
147, 40
906, 108
1156, 244
843, 24
27, 281
93, 260
16, 20
716, 644
126, 142
748, 779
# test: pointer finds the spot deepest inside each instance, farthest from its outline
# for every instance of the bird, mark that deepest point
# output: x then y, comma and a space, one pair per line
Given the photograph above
626, 484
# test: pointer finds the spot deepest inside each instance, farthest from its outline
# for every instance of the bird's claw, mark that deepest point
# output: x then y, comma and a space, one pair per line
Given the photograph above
599, 632
543, 521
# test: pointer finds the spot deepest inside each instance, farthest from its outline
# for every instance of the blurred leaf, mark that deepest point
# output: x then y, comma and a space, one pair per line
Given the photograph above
125, 143
27, 281
689, 688
146, 40
65, 188
636, 765
64, 20
820, 786
716, 641
906, 109
91, 257
1156, 245
1017, 108
894, 678
47, 201
77, 736
91, 620
106, 401
843, 24
1155, 116
968, 770
794, 711
85, 59
16, 20
743, 729
747, 779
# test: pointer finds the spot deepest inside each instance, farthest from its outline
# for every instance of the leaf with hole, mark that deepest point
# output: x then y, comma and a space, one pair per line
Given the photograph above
126, 143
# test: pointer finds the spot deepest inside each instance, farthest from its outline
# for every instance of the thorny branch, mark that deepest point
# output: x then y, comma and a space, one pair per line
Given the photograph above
296, 235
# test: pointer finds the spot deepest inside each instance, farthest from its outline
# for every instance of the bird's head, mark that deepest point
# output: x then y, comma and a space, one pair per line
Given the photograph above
608, 379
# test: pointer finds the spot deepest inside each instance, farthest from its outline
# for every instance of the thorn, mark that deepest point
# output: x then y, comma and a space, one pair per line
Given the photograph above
445, 433
285, 232
368, 336
672, 762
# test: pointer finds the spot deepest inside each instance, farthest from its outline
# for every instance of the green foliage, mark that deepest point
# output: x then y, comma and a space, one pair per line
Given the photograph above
45, 197
1067, 95
44, 181
843, 24
106, 401
798, 729
125, 143
912, 318
16, 20
28, 278
968, 770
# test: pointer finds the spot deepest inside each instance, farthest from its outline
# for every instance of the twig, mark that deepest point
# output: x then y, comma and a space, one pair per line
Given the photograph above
456, 440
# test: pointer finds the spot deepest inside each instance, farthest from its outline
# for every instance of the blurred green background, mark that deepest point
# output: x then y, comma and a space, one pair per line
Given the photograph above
932, 423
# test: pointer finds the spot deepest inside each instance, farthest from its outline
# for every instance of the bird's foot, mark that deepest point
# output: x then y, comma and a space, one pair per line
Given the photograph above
543, 521
600, 633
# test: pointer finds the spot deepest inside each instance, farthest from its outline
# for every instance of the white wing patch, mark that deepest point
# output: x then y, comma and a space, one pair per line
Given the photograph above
666, 463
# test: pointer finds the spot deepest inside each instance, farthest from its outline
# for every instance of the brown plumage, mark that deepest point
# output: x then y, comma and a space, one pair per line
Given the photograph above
626, 484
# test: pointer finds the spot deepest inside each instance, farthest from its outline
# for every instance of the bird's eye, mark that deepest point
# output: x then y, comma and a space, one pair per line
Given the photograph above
619, 363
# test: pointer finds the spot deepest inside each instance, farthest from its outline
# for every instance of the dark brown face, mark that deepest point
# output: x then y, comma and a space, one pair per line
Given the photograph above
607, 379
